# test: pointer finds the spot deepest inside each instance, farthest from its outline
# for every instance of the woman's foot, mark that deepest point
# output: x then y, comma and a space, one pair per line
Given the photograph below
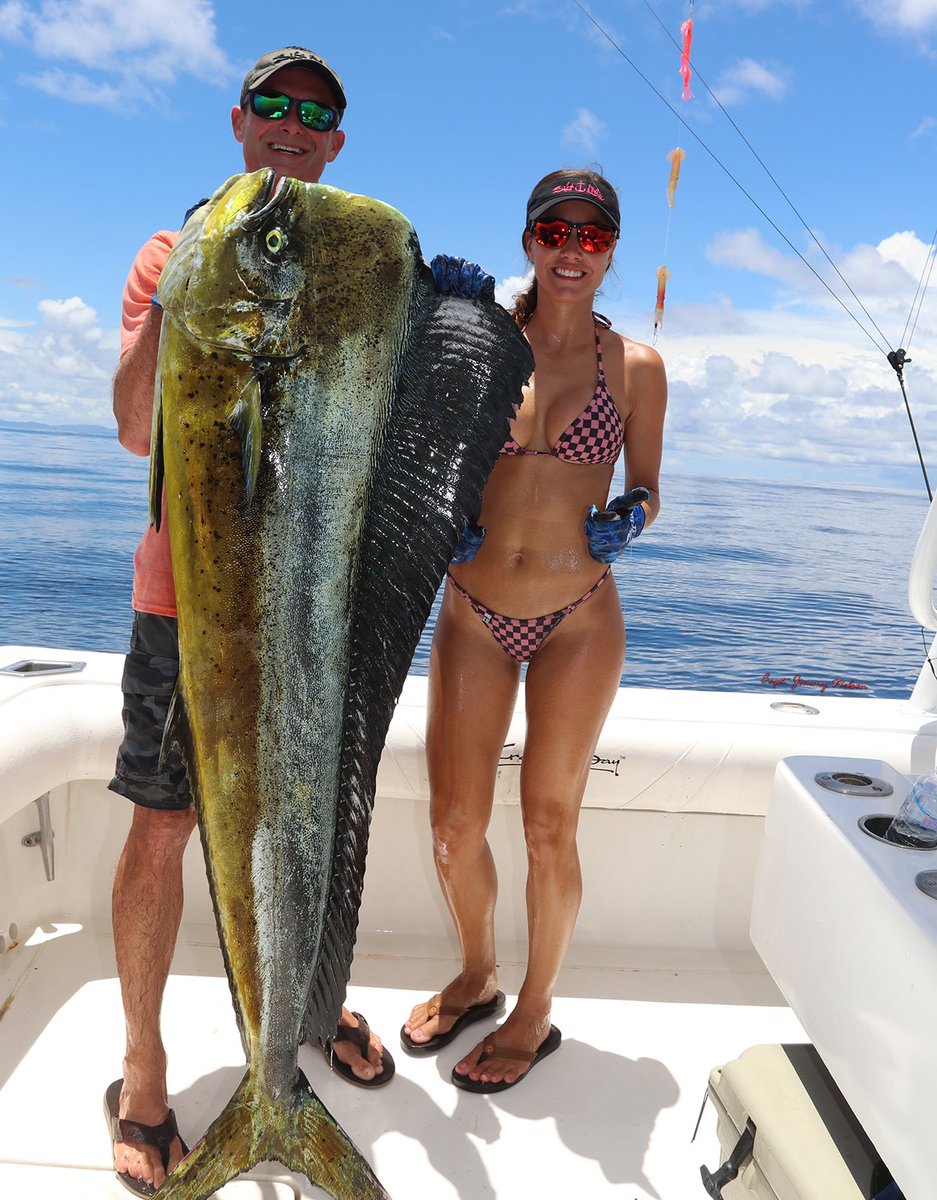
524, 1041
434, 1023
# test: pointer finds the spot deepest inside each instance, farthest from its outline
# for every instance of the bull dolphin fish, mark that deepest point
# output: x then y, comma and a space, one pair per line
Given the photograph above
324, 424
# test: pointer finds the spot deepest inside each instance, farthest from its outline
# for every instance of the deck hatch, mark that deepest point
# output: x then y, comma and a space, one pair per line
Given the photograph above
37, 666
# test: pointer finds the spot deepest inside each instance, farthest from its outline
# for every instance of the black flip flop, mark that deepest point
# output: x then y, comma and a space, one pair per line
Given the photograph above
547, 1046
360, 1035
467, 1016
122, 1129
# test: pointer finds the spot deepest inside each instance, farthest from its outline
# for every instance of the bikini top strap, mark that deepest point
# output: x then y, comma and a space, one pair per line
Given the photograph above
600, 365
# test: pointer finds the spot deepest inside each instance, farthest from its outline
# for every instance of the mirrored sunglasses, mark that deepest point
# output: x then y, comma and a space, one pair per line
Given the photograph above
273, 106
594, 239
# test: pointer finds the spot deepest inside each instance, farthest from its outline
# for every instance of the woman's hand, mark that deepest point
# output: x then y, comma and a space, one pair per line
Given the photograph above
609, 532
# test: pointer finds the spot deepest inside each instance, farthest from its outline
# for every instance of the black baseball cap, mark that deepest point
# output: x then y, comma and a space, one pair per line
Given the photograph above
554, 190
292, 56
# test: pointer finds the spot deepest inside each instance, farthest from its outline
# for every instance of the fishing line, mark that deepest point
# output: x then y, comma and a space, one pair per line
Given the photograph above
737, 183
767, 171
922, 287
927, 658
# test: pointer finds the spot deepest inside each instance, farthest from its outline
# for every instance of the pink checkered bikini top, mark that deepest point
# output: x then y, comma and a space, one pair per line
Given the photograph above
595, 436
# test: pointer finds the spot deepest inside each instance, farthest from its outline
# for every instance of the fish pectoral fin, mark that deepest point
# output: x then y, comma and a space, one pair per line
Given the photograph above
246, 419
177, 730
157, 463
297, 1130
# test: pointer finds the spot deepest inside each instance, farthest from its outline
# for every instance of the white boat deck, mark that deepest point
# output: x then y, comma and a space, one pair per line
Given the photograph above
611, 1114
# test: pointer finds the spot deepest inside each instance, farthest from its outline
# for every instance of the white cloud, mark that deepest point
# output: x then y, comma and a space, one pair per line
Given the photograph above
72, 313
585, 131
748, 78
820, 400
508, 288
884, 277
12, 19
113, 45
928, 125
57, 369
796, 386
746, 250
78, 89
901, 16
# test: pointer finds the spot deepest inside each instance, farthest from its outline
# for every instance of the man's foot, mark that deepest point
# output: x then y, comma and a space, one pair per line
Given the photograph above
506, 1055
438, 1021
145, 1152
356, 1053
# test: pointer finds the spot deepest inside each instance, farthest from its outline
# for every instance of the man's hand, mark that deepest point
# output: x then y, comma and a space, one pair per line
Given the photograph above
469, 543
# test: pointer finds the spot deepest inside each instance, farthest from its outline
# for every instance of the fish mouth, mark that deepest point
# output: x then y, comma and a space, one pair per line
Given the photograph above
274, 192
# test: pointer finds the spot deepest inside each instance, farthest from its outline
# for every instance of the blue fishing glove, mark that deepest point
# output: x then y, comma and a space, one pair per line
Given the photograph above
609, 532
465, 280
469, 543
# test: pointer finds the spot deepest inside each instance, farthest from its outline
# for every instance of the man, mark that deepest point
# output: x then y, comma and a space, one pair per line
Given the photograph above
291, 105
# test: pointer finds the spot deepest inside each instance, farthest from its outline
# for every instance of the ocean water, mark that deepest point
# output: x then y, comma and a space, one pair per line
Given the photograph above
739, 586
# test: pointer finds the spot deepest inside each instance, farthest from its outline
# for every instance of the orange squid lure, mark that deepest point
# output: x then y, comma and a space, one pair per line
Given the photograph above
675, 158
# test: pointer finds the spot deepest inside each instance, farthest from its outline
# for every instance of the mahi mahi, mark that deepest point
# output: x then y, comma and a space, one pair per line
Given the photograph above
324, 424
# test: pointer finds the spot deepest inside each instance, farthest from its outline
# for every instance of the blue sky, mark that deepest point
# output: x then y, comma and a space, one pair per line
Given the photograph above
114, 117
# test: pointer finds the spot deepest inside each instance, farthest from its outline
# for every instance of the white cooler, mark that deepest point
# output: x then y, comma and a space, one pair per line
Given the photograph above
786, 1132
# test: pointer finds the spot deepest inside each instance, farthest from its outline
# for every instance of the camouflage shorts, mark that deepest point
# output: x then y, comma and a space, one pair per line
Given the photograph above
150, 671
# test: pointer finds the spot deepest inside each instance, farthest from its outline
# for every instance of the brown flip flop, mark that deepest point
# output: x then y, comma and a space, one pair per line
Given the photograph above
135, 1133
467, 1016
360, 1036
547, 1046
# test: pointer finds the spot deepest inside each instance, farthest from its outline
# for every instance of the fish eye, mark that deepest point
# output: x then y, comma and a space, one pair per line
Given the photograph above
275, 241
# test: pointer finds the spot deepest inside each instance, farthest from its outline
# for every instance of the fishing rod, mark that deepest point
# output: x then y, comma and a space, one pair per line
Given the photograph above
897, 358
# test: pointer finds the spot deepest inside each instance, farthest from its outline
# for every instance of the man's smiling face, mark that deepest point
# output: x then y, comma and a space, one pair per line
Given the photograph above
290, 147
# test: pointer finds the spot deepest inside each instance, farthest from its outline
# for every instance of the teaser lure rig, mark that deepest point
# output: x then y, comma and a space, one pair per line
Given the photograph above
675, 158
897, 358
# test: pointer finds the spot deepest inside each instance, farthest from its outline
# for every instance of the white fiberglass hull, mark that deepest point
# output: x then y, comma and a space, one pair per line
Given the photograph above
662, 982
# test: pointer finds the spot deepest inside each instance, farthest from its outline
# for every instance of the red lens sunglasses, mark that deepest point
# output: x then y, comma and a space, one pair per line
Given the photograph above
594, 239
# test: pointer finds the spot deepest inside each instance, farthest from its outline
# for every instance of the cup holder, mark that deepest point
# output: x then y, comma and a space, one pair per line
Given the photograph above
876, 824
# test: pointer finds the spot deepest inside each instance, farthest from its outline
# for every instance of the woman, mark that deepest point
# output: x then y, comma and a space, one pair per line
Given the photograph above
543, 548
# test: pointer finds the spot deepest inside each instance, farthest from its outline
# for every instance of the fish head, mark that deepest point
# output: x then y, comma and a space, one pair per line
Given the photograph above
269, 267
239, 265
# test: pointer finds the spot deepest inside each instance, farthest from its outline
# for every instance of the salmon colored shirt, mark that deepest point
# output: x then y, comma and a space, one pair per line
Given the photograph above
153, 589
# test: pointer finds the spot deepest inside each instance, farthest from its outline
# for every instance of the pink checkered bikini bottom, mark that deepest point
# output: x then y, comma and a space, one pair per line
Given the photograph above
522, 637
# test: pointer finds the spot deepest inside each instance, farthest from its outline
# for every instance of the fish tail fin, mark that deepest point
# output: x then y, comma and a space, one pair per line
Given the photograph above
314, 1144
228, 1148
297, 1130
246, 419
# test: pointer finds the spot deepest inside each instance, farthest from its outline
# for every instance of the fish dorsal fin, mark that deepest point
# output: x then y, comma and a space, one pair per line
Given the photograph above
246, 419
157, 464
